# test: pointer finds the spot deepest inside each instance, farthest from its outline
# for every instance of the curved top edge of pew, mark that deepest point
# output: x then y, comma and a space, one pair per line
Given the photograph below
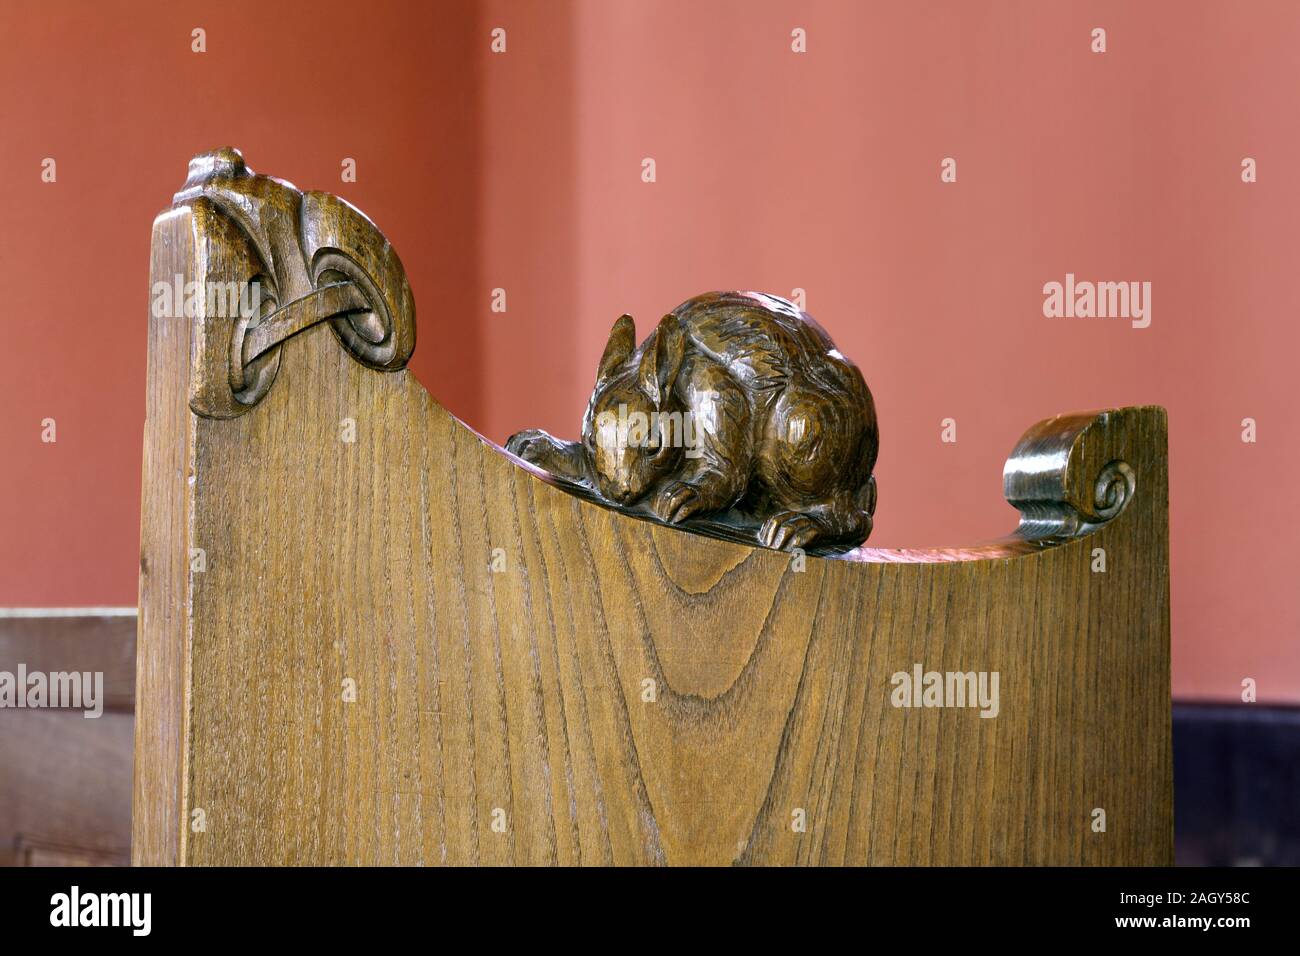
369, 635
315, 259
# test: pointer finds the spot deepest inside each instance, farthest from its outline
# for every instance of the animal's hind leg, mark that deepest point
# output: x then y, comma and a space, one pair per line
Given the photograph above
812, 450
840, 520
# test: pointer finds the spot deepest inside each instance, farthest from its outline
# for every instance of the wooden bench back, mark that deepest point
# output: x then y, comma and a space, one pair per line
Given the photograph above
368, 636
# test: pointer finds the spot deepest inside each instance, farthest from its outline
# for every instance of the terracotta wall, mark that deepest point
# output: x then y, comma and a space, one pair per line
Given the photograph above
774, 170
113, 92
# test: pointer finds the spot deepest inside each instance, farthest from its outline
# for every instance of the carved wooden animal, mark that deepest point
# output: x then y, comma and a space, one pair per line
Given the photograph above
737, 399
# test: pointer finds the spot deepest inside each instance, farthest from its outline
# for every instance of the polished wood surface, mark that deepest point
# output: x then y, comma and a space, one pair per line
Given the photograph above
407, 647
737, 407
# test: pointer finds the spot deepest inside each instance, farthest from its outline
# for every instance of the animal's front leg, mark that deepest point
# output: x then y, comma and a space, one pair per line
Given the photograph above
561, 458
717, 448
700, 492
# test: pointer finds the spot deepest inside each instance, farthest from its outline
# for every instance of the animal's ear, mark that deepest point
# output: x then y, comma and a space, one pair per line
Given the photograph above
621, 344
659, 365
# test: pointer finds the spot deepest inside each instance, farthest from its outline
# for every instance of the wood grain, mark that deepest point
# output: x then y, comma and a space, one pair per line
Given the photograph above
522, 689
166, 513
518, 696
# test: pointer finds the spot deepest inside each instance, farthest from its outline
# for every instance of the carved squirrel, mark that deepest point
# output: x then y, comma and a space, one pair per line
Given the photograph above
736, 400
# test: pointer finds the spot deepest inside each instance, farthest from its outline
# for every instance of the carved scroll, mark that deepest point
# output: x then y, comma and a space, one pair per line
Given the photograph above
1069, 475
278, 261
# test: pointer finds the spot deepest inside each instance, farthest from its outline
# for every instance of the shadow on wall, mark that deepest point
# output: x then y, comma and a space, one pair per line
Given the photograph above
399, 133
525, 310
1236, 785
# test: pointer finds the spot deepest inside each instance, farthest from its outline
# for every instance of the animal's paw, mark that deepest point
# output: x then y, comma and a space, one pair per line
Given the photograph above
789, 529
677, 501
531, 444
